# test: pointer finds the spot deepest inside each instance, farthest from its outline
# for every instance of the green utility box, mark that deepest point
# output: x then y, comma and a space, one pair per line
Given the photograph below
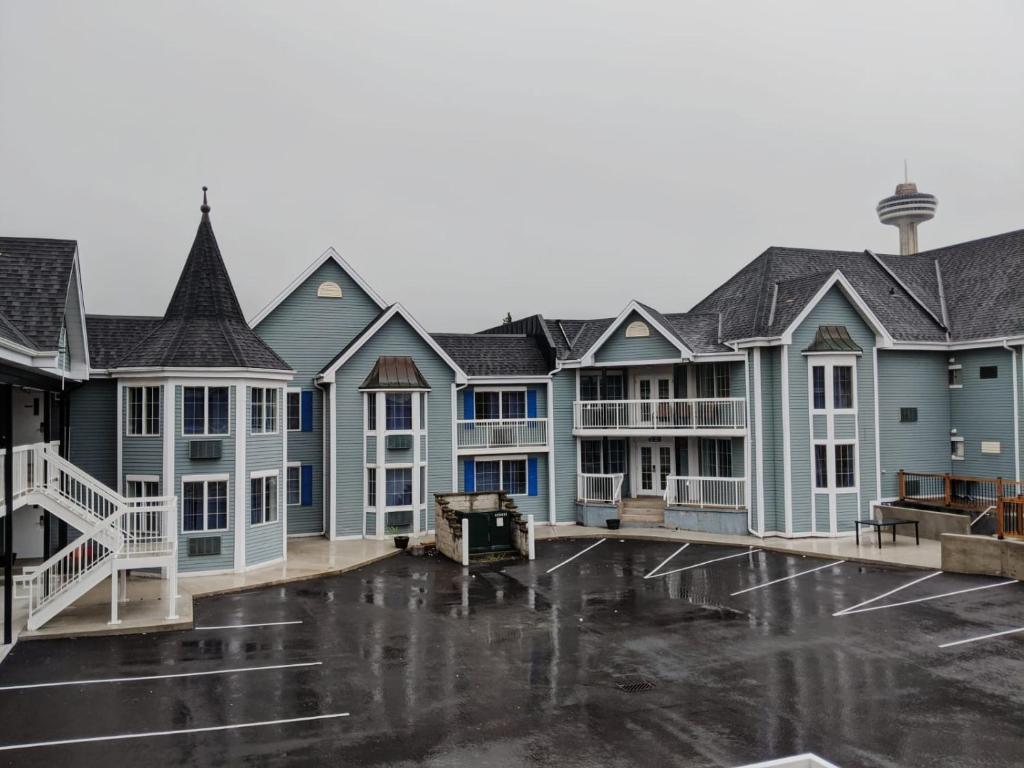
488, 531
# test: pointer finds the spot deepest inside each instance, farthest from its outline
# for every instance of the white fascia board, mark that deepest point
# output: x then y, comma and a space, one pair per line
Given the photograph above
496, 380
203, 373
634, 306
838, 278
329, 255
719, 357
76, 272
396, 309
942, 346
635, 363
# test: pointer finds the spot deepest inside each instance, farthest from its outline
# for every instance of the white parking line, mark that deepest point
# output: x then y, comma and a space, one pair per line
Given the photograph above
250, 626
662, 563
179, 731
932, 597
161, 677
982, 637
786, 578
886, 594
708, 562
600, 541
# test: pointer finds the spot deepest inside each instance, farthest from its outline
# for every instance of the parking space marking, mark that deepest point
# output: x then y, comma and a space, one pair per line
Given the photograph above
982, 637
708, 562
662, 563
931, 597
176, 732
886, 594
161, 677
249, 626
600, 541
786, 578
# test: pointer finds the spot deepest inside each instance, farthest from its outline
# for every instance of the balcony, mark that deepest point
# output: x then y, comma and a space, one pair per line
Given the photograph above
496, 435
705, 492
676, 416
600, 489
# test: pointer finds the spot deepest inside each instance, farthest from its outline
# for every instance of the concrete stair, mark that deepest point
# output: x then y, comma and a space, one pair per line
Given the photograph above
643, 512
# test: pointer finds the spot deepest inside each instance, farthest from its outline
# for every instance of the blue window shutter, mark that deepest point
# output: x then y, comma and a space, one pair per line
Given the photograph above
469, 475
531, 403
307, 411
467, 404
306, 484
531, 476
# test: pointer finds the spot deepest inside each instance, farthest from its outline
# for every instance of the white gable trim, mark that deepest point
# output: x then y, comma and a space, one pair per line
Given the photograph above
587, 358
329, 255
369, 333
838, 278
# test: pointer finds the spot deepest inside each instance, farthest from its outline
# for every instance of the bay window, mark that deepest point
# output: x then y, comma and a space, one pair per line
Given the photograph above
205, 410
143, 410
263, 410
398, 411
204, 504
263, 499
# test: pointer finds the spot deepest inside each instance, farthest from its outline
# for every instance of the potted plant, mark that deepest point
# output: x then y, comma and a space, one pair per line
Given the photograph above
612, 523
401, 540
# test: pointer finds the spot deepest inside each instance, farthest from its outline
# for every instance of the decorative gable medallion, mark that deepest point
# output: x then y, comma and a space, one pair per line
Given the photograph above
637, 329
329, 290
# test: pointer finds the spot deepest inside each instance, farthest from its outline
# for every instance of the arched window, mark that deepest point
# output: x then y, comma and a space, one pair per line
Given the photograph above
637, 329
329, 290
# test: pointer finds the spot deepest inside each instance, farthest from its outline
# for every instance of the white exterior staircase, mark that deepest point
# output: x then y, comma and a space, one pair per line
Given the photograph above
118, 533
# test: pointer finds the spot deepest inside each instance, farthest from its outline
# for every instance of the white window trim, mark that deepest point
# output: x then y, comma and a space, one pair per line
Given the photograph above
382, 412
830, 467
293, 465
263, 474
205, 480
141, 479
145, 398
955, 367
501, 472
501, 403
961, 441
263, 411
287, 396
206, 411
399, 507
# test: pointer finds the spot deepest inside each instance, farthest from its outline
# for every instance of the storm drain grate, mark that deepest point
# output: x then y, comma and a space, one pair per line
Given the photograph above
634, 683
511, 635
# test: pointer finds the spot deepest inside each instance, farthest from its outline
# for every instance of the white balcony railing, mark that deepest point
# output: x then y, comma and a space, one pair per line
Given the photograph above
502, 433
692, 414
605, 489
714, 492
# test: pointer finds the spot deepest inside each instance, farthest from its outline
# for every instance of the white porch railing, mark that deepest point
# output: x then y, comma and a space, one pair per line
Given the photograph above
27, 469
716, 492
694, 413
502, 433
605, 489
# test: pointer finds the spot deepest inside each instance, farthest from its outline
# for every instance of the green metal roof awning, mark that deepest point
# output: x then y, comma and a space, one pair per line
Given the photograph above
395, 373
833, 338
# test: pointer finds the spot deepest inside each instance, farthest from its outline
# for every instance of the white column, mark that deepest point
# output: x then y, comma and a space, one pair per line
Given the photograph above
531, 540
331, 428
552, 490
465, 541
239, 500
759, 431
787, 458
416, 462
382, 483
119, 484
113, 592
282, 483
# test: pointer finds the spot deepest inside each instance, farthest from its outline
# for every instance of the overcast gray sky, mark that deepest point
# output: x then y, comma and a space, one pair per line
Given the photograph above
476, 157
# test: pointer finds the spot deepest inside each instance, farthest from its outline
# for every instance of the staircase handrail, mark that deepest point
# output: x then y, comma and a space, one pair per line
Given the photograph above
52, 482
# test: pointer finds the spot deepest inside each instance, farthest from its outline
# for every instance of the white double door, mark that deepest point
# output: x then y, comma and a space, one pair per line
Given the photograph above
654, 461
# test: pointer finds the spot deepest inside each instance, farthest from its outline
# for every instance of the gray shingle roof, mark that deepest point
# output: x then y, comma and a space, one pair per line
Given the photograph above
203, 326
112, 336
494, 354
34, 277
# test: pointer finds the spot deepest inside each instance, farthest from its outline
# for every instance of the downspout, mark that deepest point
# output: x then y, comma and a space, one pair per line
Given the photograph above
1016, 419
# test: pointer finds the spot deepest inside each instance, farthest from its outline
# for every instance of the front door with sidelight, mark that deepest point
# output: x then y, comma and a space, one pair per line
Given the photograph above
655, 458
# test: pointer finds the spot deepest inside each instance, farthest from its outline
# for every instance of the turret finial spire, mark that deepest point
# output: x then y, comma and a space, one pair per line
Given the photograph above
205, 207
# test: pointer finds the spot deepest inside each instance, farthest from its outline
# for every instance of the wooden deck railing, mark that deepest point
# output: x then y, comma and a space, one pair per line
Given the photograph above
970, 493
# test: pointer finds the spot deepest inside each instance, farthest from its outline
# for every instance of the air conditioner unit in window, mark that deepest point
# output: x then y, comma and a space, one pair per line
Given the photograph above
203, 546
204, 449
399, 442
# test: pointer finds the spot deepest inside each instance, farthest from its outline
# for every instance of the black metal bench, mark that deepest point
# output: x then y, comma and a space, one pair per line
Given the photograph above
890, 522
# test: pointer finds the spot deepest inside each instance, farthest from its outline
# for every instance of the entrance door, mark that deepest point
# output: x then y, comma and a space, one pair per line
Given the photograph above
654, 461
653, 386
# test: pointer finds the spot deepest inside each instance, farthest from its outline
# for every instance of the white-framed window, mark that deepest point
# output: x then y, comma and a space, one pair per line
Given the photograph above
205, 410
835, 466
954, 376
371, 411
263, 498
591, 458
294, 407
713, 380
715, 457
833, 385
141, 486
845, 465
501, 474
143, 410
204, 503
262, 410
294, 480
820, 465
371, 487
398, 411
398, 486
497, 404
957, 449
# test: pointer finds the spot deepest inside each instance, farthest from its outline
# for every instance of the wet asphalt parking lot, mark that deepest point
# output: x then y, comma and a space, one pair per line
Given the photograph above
416, 661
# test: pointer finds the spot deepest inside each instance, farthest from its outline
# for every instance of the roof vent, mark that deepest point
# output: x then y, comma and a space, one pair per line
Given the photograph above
329, 290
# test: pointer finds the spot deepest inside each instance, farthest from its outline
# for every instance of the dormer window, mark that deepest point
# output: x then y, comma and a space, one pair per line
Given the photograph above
637, 330
329, 290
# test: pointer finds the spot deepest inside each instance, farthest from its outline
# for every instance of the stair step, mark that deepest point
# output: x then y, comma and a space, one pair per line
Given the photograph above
642, 518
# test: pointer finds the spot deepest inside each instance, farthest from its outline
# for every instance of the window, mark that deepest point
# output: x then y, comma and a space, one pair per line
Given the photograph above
294, 411
821, 466
956, 448
507, 475
143, 410
494, 404
715, 457
590, 386
590, 457
371, 411
371, 487
989, 372
398, 410
616, 456
263, 410
423, 411
263, 499
205, 410
513, 405
845, 470
294, 480
908, 415
613, 386
142, 487
842, 387
204, 505
487, 405
423, 484
713, 380
399, 487
818, 385
954, 377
